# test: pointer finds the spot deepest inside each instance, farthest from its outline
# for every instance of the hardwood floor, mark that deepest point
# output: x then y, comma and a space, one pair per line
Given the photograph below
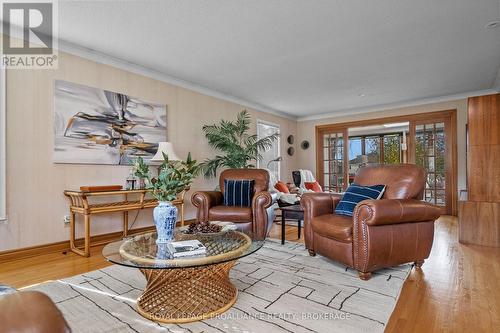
456, 290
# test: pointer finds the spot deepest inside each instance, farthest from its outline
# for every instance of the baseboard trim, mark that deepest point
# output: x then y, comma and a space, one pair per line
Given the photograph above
63, 246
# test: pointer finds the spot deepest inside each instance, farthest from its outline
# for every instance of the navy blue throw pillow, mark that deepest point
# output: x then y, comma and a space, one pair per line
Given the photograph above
238, 192
356, 193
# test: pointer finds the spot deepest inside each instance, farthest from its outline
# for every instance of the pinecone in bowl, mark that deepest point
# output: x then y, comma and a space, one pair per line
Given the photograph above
203, 228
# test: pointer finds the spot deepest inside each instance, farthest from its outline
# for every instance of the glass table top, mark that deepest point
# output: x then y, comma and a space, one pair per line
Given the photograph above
141, 251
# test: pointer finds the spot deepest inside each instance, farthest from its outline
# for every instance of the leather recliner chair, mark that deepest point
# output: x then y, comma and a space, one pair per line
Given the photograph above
256, 220
397, 229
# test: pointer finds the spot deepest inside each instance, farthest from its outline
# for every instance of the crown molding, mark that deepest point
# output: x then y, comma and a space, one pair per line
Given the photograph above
385, 107
106, 59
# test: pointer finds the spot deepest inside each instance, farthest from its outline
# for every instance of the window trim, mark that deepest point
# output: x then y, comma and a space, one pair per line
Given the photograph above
264, 122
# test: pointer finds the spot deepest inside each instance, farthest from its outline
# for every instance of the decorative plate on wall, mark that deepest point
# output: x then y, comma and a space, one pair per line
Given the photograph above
304, 144
290, 139
290, 151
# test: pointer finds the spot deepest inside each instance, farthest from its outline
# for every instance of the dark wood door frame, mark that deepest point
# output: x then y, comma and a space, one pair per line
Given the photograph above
449, 117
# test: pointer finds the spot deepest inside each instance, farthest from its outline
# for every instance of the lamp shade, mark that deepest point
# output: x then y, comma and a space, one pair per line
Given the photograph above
165, 148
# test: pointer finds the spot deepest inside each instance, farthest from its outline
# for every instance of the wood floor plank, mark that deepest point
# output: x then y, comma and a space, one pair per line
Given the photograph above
456, 290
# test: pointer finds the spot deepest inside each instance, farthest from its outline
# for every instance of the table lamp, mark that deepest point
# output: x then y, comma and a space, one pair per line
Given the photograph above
165, 148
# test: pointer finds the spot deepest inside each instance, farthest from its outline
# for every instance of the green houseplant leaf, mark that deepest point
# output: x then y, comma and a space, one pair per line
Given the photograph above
173, 178
239, 148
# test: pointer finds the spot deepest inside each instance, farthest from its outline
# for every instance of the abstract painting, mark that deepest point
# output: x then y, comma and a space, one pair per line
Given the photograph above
96, 126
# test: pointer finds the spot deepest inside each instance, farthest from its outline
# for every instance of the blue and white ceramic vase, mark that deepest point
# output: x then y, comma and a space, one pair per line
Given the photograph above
165, 217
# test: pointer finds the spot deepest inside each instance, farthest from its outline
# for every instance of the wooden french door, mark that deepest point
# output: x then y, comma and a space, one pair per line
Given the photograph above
431, 143
333, 156
431, 148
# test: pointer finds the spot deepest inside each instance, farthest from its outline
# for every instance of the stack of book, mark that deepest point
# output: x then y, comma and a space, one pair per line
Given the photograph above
186, 248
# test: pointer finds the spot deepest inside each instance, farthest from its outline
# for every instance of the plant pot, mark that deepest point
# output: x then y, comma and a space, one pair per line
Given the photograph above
165, 217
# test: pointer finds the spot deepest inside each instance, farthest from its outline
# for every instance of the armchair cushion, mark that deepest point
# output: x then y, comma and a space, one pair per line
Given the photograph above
334, 226
230, 213
238, 192
393, 211
356, 193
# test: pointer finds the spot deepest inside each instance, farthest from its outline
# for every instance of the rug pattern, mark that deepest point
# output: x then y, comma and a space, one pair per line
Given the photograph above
281, 289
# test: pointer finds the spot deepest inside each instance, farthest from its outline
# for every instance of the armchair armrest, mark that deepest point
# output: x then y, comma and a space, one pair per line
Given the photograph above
203, 201
389, 232
264, 199
316, 204
263, 213
394, 211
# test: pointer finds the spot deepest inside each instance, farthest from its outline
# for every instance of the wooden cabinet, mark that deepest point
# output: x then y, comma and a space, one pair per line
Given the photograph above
479, 223
484, 173
479, 215
484, 148
483, 115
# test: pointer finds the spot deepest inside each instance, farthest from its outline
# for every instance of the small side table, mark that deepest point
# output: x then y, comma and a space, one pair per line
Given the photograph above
291, 212
79, 204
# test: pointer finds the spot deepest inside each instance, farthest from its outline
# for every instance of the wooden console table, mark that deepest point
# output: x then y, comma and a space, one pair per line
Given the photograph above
79, 204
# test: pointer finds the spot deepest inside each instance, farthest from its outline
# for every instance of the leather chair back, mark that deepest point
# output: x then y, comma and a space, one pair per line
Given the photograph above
260, 176
402, 181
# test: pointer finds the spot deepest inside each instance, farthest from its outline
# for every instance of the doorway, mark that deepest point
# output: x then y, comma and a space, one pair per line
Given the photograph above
427, 139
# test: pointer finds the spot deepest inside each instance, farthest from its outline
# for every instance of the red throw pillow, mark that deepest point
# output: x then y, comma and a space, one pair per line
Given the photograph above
280, 186
314, 186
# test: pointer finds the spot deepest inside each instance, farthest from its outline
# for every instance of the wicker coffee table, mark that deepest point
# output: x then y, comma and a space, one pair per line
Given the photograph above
184, 289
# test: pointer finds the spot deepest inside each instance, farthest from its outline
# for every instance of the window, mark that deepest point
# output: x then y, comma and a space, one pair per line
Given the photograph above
355, 148
372, 149
3, 138
270, 157
392, 149
356, 155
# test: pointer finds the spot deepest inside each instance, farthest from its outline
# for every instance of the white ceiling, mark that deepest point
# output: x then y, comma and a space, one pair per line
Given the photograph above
296, 56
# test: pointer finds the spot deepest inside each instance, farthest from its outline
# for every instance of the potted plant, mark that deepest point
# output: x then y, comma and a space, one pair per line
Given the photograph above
173, 178
239, 148
141, 171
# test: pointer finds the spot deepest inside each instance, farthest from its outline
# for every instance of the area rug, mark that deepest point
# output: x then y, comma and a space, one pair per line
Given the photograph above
281, 289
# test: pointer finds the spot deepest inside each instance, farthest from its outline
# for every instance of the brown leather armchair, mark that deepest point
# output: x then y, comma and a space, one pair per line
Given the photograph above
255, 220
396, 229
